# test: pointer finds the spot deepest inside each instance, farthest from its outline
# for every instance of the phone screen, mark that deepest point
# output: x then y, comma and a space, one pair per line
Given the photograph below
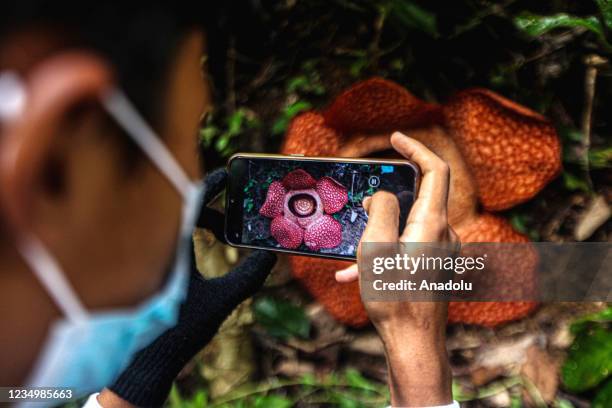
310, 206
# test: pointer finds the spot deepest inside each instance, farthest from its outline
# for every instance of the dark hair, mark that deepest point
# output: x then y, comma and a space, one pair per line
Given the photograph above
138, 38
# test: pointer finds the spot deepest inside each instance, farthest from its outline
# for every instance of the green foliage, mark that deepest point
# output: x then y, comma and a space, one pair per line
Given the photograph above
462, 394
562, 403
522, 223
412, 16
221, 138
575, 183
288, 113
603, 399
405, 13
308, 81
535, 25
358, 66
281, 318
600, 158
271, 401
348, 389
601, 317
605, 8
198, 400
515, 401
589, 361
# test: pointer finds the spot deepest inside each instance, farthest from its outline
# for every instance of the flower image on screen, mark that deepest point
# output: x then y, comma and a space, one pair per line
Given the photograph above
301, 209
313, 207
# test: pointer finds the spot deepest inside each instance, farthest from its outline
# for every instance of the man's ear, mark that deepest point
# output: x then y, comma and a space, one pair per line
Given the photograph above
54, 88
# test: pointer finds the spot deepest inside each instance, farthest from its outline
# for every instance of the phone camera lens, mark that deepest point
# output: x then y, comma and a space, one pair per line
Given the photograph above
374, 181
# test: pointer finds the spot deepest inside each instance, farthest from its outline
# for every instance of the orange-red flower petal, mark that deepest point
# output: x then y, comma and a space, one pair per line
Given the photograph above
378, 105
517, 273
307, 134
512, 151
342, 301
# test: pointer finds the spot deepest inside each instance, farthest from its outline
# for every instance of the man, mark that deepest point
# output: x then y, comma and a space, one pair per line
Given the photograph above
99, 107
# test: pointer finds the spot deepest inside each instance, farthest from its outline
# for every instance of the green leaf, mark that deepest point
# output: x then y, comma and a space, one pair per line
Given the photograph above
222, 142
297, 83
563, 403
297, 107
198, 400
600, 158
308, 379
281, 319
356, 68
535, 25
603, 399
605, 6
573, 183
460, 393
356, 380
604, 316
234, 122
414, 16
308, 81
174, 399
290, 111
344, 401
207, 134
519, 222
272, 401
571, 134
515, 401
589, 361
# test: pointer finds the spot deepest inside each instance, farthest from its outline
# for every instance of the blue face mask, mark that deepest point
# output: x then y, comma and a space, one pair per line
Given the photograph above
87, 350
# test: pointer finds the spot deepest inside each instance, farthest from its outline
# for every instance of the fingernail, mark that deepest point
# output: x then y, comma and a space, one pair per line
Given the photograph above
339, 277
346, 271
343, 271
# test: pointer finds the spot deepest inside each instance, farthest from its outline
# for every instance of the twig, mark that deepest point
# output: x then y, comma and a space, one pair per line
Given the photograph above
265, 73
593, 62
495, 9
550, 231
374, 48
230, 71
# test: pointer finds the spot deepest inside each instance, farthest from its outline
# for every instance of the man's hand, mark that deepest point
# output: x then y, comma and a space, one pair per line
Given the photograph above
413, 333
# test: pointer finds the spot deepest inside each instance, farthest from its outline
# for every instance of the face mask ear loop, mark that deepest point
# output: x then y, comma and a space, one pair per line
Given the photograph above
51, 277
44, 266
12, 96
122, 110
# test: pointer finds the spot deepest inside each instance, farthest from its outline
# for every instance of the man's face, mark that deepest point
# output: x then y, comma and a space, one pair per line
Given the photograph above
112, 226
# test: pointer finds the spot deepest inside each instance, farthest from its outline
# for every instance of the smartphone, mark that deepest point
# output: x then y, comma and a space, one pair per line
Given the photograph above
309, 205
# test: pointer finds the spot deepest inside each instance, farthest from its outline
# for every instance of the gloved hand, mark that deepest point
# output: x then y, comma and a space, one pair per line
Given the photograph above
146, 382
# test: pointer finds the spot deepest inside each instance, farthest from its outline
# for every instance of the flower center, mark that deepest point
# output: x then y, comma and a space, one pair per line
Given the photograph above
302, 205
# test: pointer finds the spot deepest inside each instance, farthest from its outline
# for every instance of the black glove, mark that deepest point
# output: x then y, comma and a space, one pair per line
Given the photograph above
146, 382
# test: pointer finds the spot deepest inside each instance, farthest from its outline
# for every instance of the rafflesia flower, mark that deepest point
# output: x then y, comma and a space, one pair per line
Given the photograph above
301, 208
500, 154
